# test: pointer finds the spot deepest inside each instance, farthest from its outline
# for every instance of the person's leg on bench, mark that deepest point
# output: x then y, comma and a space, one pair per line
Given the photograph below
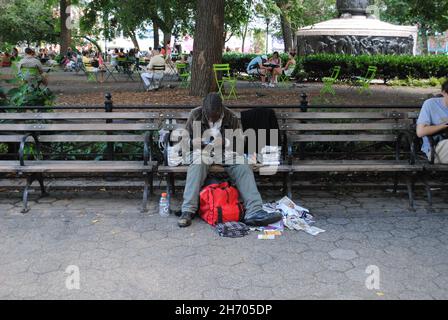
244, 179
197, 173
442, 152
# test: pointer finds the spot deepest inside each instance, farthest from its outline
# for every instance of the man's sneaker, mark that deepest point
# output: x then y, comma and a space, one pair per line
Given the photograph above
262, 218
271, 85
264, 85
185, 220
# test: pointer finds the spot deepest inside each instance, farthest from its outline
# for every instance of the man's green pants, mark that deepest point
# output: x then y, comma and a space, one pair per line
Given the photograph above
241, 175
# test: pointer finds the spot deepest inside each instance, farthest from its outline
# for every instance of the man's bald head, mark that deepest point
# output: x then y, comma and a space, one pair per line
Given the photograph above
213, 107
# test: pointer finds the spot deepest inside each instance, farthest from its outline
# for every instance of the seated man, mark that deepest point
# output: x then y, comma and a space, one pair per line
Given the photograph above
30, 62
433, 120
151, 75
213, 116
256, 67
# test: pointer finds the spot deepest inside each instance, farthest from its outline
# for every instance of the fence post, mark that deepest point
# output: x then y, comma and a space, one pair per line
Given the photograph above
108, 106
304, 102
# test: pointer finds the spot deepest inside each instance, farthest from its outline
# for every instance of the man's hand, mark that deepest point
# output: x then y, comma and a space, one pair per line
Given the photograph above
425, 130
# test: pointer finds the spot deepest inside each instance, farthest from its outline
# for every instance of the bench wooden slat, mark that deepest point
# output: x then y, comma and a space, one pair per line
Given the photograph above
342, 126
340, 115
76, 138
342, 138
79, 127
78, 115
76, 166
354, 166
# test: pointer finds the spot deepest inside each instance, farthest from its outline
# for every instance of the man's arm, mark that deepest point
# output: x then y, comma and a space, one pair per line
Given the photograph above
424, 130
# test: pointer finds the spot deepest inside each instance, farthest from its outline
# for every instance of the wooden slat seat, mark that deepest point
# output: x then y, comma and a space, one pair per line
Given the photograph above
68, 166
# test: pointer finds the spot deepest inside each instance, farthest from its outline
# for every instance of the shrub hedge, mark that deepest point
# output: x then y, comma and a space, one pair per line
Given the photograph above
315, 67
389, 66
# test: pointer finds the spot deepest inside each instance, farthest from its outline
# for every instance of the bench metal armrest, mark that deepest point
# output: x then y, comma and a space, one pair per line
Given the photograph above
290, 153
432, 143
147, 152
410, 139
22, 146
166, 143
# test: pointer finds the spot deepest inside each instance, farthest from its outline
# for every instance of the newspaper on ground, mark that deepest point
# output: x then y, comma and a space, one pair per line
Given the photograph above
295, 217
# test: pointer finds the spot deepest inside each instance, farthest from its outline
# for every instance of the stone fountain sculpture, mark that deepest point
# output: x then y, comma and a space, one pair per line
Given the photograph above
357, 31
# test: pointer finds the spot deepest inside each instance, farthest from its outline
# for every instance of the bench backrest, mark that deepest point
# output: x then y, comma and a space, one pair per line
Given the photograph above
78, 126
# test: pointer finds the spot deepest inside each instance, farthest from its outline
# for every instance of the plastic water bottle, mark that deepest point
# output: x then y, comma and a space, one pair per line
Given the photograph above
164, 208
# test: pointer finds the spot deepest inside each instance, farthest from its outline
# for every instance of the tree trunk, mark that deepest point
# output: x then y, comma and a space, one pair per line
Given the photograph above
166, 37
244, 37
133, 37
207, 48
425, 40
156, 35
66, 33
287, 33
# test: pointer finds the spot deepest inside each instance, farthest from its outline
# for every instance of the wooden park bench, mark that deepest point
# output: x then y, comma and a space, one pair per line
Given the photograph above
360, 132
38, 129
361, 129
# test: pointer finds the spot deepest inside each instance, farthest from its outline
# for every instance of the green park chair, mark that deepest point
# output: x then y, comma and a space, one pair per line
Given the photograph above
184, 75
223, 70
88, 70
364, 82
330, 81
30, 75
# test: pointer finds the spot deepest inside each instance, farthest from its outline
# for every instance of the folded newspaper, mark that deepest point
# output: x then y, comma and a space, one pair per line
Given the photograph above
295, 217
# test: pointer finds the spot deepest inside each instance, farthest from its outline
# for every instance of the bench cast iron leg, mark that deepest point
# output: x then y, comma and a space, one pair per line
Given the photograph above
29, 181
145, 194
428, 191
43, 192
395, 182
410, 185
289, 185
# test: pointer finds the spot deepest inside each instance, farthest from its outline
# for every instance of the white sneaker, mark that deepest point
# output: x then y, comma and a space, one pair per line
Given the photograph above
271, 85
264, 85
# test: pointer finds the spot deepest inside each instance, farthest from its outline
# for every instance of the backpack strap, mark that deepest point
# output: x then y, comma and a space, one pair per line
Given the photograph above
220, 219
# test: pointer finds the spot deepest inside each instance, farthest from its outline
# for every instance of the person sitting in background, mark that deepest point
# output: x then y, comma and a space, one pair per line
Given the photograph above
290, 65
121, 54
30, 62
6, 60
256, 67
433, 121
113, 59
152, 75
14, 54
149, 54
275, 69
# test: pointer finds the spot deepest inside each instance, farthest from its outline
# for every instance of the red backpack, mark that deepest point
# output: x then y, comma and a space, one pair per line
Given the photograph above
219, 203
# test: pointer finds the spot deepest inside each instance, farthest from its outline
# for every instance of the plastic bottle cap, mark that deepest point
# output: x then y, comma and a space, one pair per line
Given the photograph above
164, 194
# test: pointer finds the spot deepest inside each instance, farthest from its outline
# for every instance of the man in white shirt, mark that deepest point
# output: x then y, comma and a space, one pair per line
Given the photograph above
154, 71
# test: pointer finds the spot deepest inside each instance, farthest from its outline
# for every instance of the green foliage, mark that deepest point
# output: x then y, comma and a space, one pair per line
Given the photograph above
431, 15
389, 66
26, 94
424, 83
27, 20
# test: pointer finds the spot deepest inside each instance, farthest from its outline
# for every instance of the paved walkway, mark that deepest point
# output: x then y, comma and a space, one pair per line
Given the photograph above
124, 254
